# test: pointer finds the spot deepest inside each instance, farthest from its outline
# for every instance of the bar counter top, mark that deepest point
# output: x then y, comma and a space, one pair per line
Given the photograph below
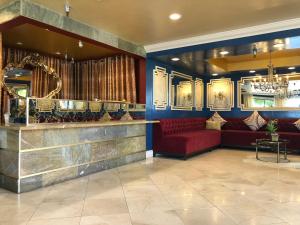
44, 126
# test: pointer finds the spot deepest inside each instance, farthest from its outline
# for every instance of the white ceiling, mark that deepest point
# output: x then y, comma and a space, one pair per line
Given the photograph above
146, 21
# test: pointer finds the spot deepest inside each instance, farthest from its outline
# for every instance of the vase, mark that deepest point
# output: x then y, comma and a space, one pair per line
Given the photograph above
274, 137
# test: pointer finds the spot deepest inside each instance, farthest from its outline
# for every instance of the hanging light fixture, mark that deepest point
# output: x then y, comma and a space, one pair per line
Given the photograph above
272, 83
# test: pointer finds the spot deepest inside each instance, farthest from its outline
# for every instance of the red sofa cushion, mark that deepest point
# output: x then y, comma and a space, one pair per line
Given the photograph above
241, 138
235, 124
174, 126
192, 141
287, 125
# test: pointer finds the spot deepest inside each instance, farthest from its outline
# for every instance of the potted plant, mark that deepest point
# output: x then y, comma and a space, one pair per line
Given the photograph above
272, 128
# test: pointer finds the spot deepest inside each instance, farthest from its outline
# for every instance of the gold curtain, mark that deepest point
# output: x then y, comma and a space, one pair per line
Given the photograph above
41, 84
111, 78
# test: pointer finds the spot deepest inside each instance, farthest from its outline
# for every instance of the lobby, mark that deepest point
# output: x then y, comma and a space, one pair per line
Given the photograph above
149, 113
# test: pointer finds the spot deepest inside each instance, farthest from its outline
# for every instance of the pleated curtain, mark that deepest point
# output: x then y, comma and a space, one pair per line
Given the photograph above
111, 78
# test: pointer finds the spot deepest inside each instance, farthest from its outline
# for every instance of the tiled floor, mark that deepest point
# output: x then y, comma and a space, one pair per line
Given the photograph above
221, 187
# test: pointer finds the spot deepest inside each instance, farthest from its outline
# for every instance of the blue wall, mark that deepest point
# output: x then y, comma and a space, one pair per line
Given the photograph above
152, 114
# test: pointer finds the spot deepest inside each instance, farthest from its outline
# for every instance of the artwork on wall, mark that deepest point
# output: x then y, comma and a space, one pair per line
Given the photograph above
199, 94
220, 94
160, 88
181, 91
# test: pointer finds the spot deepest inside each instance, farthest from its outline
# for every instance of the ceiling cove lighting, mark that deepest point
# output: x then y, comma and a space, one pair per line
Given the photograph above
224, 52
175, 59
19, 43
175, 16
252, 71
291, 68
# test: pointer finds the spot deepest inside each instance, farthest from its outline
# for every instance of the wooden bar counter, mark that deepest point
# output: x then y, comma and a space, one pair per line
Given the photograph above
39, 155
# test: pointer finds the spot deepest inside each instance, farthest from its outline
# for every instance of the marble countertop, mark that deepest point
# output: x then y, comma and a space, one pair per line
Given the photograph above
43, 126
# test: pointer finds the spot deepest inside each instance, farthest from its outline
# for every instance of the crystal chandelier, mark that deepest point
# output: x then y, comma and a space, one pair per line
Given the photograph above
272, 83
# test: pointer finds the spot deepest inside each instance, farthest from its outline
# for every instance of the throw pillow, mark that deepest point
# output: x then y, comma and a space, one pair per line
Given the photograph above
216, 117
255, 121
297, 124
213, 125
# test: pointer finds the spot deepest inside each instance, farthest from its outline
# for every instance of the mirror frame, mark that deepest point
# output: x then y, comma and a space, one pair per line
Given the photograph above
36, 61
190, 79
239, 99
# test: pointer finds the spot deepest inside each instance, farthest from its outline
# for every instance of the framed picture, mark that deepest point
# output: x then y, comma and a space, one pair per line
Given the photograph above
220, 94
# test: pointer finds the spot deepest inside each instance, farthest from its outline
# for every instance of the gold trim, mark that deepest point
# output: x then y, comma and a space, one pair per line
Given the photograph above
241, 106
226, 81
36, 61
191, 81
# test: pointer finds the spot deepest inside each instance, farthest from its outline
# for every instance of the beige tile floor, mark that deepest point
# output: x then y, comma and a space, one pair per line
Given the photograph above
220, 187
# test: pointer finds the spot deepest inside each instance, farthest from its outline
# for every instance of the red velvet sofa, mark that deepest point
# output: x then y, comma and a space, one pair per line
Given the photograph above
235, 133
183, 137
188, 136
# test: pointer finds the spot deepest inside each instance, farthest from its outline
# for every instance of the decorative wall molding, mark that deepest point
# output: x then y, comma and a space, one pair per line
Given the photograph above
245, 107
199, 94
160, 88
226, 35
220, 94
179, 90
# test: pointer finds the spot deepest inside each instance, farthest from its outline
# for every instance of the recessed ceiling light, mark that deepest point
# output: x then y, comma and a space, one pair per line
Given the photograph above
278, 45
175, 16
252, 71
175, 59
291, 68
18, 75
5, 76
224, 52
19, 43
215, 74
57, 53
80, 44
47, 29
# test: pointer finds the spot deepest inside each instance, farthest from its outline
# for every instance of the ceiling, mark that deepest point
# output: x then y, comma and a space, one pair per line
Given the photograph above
50, 42
146, 21
239, 58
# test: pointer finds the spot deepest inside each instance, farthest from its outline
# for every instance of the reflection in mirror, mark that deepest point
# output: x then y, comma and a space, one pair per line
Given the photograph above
31, 77
181, 91
19, 80
253, 94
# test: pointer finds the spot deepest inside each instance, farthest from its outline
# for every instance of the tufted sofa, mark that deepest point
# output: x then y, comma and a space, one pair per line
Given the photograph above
183, 137
235, 133
188, 136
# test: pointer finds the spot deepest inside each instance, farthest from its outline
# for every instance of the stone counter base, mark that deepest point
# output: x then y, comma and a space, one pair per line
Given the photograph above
30, 159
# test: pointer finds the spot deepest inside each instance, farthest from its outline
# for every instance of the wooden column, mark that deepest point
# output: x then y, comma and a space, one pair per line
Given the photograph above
1, 77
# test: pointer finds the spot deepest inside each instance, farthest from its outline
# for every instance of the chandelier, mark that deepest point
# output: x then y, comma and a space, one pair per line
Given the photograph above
272, 83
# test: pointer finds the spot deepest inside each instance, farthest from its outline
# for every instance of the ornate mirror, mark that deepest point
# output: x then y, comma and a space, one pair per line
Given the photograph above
280, 94
181, 91
31, 73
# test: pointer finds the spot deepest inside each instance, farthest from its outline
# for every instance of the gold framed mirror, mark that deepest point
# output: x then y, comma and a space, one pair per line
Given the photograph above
256, 93
16, 79
181, 88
